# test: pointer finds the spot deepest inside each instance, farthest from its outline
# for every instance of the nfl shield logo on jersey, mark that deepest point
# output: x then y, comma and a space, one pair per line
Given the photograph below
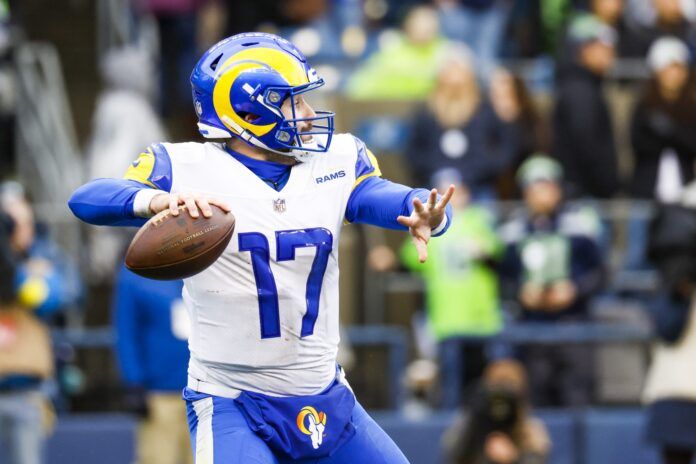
279, 205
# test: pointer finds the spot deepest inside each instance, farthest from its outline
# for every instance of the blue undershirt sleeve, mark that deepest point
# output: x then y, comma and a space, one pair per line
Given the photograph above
109, 202
379, 202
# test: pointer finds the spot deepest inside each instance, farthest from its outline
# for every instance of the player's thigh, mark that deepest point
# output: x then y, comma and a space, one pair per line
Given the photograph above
220, 435
370, 444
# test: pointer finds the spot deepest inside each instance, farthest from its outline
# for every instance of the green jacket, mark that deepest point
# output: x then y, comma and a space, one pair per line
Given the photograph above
401, 71
461, 290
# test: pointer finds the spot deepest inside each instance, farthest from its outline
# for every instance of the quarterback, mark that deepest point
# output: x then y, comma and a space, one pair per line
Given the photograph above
263, 382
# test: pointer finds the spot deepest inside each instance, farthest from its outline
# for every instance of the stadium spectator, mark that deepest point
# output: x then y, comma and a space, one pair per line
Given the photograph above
662, 135
478, 23
407, 68
513, 105
536, 27
179, 35
7, 260
124, 121
670, 388
552, 266
611, 13
457, 128
662, 138
498, 427
461, 285
45, 282
649, 20
582, 127
152, 327
607, 11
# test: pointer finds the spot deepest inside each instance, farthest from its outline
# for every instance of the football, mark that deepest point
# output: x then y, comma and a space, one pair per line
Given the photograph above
171, 247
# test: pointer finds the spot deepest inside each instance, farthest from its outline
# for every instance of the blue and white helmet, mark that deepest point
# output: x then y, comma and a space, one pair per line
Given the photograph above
254, 73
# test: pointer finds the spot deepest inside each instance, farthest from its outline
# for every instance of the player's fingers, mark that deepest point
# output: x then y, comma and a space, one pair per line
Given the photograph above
221, 204
432, 198
446, 197
174, 204
406, 221
190, 203
422, 248
418, 205
204, 206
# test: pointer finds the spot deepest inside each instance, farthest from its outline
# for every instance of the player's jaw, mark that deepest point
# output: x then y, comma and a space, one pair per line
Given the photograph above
302, 128
302, 113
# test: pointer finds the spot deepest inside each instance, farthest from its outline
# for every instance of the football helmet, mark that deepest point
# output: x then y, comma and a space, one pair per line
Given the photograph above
253, 74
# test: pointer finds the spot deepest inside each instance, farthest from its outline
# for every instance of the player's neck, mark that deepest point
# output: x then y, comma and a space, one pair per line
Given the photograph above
257, 153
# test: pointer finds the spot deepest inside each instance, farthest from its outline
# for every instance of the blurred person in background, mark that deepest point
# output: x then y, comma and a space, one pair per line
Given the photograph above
662, 136
611, 13
124, 121
536, 27
478, 23
649, 20
670, 387
552, 266
662, 127
607, 11
461, 285
513, 104
152, 327
7, 260
407, 68
180, 42
498, 427
457, 128
45, 282
583, 137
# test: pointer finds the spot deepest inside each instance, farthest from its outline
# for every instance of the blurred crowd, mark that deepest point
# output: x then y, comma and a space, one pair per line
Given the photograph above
509, 101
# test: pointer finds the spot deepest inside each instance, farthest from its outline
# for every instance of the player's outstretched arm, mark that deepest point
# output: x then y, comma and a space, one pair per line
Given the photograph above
383, 203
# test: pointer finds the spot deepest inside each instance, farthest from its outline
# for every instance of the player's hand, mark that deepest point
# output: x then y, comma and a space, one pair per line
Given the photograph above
193, 203
425, 218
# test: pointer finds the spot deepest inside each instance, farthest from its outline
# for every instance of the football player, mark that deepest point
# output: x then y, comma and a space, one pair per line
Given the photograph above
263, 382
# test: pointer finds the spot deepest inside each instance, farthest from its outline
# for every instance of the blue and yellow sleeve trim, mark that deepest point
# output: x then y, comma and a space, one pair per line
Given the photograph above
152, 168
366, 164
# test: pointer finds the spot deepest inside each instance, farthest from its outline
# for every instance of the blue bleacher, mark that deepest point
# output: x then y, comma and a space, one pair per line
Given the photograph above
595, 436
614, 437
93, 438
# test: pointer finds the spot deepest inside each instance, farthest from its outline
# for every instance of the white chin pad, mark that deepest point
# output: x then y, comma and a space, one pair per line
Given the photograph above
212, 132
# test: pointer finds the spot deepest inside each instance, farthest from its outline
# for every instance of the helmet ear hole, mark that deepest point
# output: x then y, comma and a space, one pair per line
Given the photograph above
250, 117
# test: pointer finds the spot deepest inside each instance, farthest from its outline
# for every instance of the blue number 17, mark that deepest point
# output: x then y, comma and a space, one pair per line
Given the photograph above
286, 243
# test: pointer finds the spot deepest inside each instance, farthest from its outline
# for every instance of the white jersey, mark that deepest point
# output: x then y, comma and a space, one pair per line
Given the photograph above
264, 316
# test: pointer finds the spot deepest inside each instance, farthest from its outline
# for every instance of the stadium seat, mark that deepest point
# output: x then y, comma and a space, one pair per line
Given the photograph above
102, 438
616, 437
